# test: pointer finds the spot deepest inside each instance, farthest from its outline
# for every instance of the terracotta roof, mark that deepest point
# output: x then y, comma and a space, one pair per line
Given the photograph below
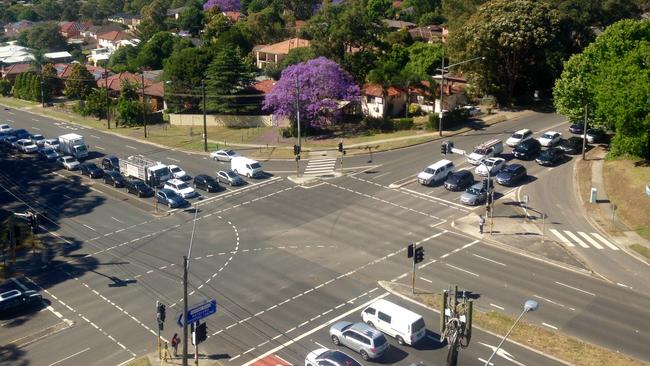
100, 29
16, 69
114, 82
299, 24
155, 89
264, 86
398, 24
114, 36
375, 90
64, 70
283, 48
234, 16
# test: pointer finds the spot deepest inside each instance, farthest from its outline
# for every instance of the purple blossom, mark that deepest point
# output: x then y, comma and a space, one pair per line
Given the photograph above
322, 85
223, 5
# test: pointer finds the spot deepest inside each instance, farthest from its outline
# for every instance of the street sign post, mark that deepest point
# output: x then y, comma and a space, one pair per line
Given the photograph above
199, 311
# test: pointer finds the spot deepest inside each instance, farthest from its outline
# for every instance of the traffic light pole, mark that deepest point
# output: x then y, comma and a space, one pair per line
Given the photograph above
196, 344
413, 276
184, 311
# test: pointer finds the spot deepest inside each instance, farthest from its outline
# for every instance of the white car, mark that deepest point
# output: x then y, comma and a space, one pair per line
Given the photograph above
39, 140
519, 136
180, 188
26, 146
178, 173
5, 128
328, 357
53, 143
68, 162
550, 138
493, 164
223, 155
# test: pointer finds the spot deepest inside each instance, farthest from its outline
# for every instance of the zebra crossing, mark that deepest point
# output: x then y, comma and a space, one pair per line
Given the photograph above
320, 166
583, 239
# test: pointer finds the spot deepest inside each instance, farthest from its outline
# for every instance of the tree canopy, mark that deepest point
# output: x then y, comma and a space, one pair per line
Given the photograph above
80, 82
44, 37
611, 77
227, 74
222, 5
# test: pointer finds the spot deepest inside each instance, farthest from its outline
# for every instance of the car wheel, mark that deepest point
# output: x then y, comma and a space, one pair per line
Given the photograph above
169, 204
336, 340
115, 184
400, 340
370, 324
139, 195
364, 355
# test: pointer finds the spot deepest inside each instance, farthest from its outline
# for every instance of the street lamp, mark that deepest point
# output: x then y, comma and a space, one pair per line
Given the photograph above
442, 70
530, 305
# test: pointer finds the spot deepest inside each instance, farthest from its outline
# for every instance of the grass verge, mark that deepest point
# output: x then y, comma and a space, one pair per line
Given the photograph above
644, 251
140, 361
554, 343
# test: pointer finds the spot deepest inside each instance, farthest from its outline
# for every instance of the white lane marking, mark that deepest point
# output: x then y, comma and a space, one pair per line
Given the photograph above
35, 120
90, 227
99, 147
131, 147
576, 239
36, 128
605, 241
575, 288
497, 306
69, 357
174, 160
562, 238
622, 285
589, 239
127, 361
426, 280
548, 300
95, 137
489, 260
463, 270
116, 220
314, 330
550, 326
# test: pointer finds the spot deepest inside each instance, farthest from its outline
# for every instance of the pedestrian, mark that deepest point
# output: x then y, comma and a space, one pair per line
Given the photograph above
481, 222
175, 341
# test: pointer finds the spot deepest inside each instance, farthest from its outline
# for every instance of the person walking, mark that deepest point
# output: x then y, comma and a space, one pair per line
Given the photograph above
175, 342
481, 223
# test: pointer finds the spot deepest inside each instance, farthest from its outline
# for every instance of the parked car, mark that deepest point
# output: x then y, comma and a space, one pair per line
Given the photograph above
8, 142
223, 155
511, 174
111, 162
437, 172
396, 321
577, 128
206, 183
138, 188
91, 170
550, 138
5, 128
113, 178
26, 146
16, 299
48, 154
53, 143
474, 195
527, 150
572, 145
229, 177
519, 136
493, 165
38, 139
178, 173
180, 188
550, 156
328, 357
595, 136
169, 198
22, 134
68, 162
459, 180
359, 337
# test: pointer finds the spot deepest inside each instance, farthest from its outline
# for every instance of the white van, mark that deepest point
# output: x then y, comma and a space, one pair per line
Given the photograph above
245, 166
404, 325
437, 172
485, 150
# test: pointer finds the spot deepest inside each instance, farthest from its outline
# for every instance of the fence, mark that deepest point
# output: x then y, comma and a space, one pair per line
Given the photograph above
225, 120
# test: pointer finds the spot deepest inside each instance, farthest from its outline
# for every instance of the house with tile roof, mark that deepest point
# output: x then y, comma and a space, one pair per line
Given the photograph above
115, 39
379, 102
10, 72
12, 30
274, 53
73, 29
154, 91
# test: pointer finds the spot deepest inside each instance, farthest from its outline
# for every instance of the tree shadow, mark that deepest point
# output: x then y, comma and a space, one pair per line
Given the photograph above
11, 355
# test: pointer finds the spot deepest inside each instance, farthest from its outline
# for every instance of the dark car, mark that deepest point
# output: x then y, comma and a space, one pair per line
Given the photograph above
91, 170
229, 177
138, 188
459, 180
114, 178
595, 136
511, 174
169, 198
551, 156
16, 299
571, 145
22, 134
9, 141
577, 128
527, 149
206, 183
111, 162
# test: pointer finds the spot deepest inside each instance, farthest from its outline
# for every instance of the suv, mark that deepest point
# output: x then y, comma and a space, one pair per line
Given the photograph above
550, 157
459, 180
38, 139
26, 146
519, 137
181, 188
437, 172
138, 188
359, 337
206, 183
527, 150
111, 162
572, 145
229, 177
13, 299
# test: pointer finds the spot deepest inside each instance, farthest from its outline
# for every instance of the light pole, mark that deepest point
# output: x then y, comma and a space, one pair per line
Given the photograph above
205, 127
144, 106
108, 102
442, 70
530, 305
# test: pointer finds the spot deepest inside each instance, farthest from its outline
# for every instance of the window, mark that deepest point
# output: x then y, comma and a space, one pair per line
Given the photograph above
370, 311
383, 317
352, 335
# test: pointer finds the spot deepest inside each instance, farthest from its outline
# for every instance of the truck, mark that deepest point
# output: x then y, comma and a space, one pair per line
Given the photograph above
73, 145
154, 173
485, 150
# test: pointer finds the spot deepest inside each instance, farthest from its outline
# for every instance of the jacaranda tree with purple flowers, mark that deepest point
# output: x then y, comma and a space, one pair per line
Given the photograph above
319, 85
223, 5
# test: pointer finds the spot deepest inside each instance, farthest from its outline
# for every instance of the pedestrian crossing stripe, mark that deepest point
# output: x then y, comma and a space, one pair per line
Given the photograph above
588, 237
320, 166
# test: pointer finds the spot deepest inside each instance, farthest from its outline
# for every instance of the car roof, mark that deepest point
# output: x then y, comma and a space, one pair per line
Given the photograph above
175, 181
405, 313
171, 166
461, 172
366, 330
551, 133
112, 173
513, 167
166, 190
495, 159
523, 130
439, 164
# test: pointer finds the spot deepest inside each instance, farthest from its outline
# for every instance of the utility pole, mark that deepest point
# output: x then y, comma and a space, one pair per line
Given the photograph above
144, 106
584, 135
42, 90
185, 264
205, 127
455, 322
108, 103
442, 92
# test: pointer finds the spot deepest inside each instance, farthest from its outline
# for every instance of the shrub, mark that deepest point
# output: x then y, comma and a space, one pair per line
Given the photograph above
403, 124
376, 124
5, 87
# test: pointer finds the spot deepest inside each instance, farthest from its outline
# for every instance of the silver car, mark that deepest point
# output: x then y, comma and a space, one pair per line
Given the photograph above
359, 337
475, 195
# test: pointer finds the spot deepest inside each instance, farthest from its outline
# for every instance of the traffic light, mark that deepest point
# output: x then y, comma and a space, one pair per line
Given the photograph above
419, 254
200, 333
485, 184
443, 148
340, 147
296, 149
450, 145
161, 313
409, 251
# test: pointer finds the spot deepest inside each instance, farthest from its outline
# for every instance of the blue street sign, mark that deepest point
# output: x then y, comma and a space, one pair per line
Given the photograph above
199, 311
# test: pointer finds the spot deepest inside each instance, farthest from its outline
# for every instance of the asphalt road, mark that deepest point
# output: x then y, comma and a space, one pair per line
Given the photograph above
282, 260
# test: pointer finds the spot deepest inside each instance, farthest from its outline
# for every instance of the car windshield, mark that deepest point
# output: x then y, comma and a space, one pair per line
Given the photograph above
139, 185
429, 171
38, 137
379, 341
417, 325
54, 141
548, 136
256, 166
48, 150
68, 160
517, 135
473, 191
81, 148
229, 152
208, 179
161, 172
480, 151
182, 186
175, 169
91, 166
231, 174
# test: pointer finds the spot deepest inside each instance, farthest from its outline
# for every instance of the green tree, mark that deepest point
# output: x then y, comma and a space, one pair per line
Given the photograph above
7, 15
51, 82
457, 12
18, 84
44, 36
129, 108
425, 58
157, 49
610, 77
191, 19
48, 10
301, 9
359, 64
5, 87
79, 83
378, 9
227, 74
70, 10
94, 105
184, 71
28, 14
124, 58
215, 24
266, 26
153, 19
519, 41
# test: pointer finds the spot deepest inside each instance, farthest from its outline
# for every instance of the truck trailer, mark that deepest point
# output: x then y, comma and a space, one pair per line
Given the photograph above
154, 173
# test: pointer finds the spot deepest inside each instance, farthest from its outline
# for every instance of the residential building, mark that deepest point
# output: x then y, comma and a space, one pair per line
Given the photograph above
430, 33
115, 39
398, 24
175, 13
99, 55
95, 30
233, 16
273, 54
14, 54
12, 30
379, 102
64, 70
71, 30
10, 72
131, 21
62, 56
